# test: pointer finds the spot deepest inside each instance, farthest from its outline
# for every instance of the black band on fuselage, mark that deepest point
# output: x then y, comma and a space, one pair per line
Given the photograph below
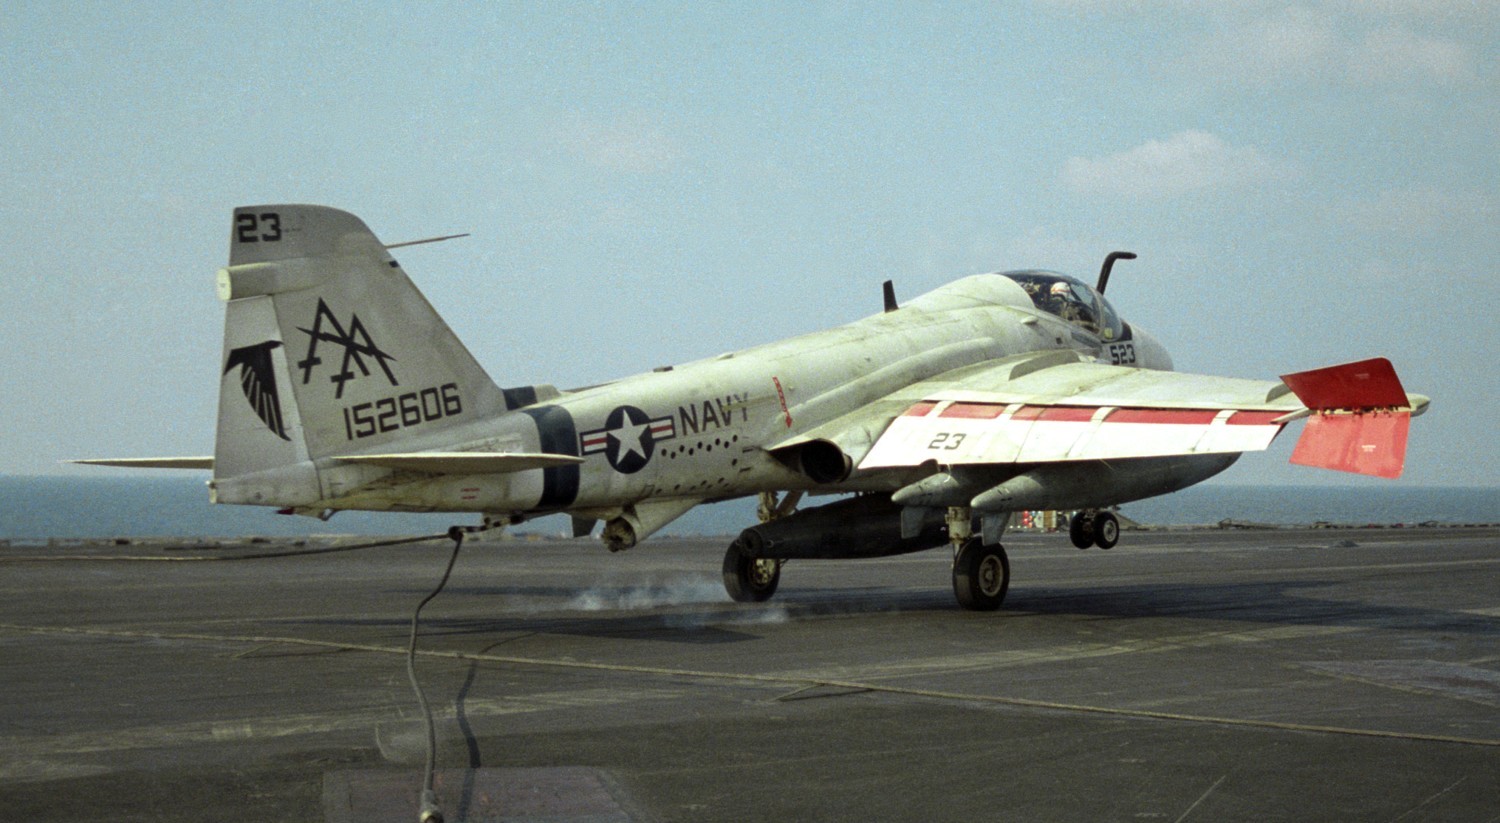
559, 435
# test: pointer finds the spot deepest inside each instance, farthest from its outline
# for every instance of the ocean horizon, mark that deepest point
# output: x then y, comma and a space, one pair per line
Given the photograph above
53, 507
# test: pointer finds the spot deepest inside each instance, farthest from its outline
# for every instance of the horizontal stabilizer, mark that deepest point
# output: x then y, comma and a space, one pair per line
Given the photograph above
464, 462
150, 462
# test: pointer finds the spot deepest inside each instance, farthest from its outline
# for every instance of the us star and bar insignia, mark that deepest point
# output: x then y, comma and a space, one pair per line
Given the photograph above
628, 438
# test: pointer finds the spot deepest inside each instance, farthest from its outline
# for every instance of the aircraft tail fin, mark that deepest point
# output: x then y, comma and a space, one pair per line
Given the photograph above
329, 349
1360, 415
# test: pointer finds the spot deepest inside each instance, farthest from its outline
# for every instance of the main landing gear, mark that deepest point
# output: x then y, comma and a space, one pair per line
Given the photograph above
1094, 528
981, 575
750, 579
754, 579
981, 571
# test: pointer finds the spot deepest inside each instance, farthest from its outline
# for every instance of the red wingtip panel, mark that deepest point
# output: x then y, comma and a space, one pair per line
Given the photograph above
1367, 384
1372, 443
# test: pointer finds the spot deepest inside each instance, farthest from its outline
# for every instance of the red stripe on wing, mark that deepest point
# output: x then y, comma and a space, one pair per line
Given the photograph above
1181, 417
974, 411
1255, 418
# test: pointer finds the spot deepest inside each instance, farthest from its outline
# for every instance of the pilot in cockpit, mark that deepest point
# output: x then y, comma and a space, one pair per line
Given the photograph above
1060, 302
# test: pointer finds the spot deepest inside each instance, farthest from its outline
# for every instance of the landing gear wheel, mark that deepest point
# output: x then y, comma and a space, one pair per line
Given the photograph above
1106, 530
750, 579
981, 576
1081, 530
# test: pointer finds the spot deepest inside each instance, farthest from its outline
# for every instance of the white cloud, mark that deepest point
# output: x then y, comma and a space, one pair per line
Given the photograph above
1435, 11
1425, 210
1185, 163
1300, 44
1122, 7
1396, 54
1290, 43
1431, 11
627, 144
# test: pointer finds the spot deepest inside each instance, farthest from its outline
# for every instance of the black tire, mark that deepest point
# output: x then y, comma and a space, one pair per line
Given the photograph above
981, 576
1081, 530
1106, 530
749, 579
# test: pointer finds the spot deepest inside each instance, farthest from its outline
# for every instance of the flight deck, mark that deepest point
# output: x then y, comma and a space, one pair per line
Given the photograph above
1192, 675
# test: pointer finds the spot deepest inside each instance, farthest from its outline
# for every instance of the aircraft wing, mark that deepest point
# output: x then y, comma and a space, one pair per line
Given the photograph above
1052, 411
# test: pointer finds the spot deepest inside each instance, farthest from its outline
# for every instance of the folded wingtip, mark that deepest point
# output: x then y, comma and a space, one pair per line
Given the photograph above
1359, 417
1364, 384
1372, 443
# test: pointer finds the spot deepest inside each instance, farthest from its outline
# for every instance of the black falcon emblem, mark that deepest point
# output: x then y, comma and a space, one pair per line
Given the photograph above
258, 381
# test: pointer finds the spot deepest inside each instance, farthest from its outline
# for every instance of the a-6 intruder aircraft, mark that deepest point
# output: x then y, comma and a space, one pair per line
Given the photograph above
343, 389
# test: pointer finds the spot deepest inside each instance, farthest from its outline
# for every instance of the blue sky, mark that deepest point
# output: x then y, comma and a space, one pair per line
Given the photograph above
1306, 184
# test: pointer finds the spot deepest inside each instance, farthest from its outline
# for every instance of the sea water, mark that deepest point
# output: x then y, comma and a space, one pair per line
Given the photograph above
33, 508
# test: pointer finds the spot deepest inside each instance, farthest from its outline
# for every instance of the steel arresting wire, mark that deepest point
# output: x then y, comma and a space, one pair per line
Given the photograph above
430, 812
199, 558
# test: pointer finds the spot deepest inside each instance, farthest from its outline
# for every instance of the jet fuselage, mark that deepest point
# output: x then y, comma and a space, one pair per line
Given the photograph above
728, 426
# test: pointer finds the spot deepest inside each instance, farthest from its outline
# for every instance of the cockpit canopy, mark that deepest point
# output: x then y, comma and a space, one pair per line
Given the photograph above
1072, 300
